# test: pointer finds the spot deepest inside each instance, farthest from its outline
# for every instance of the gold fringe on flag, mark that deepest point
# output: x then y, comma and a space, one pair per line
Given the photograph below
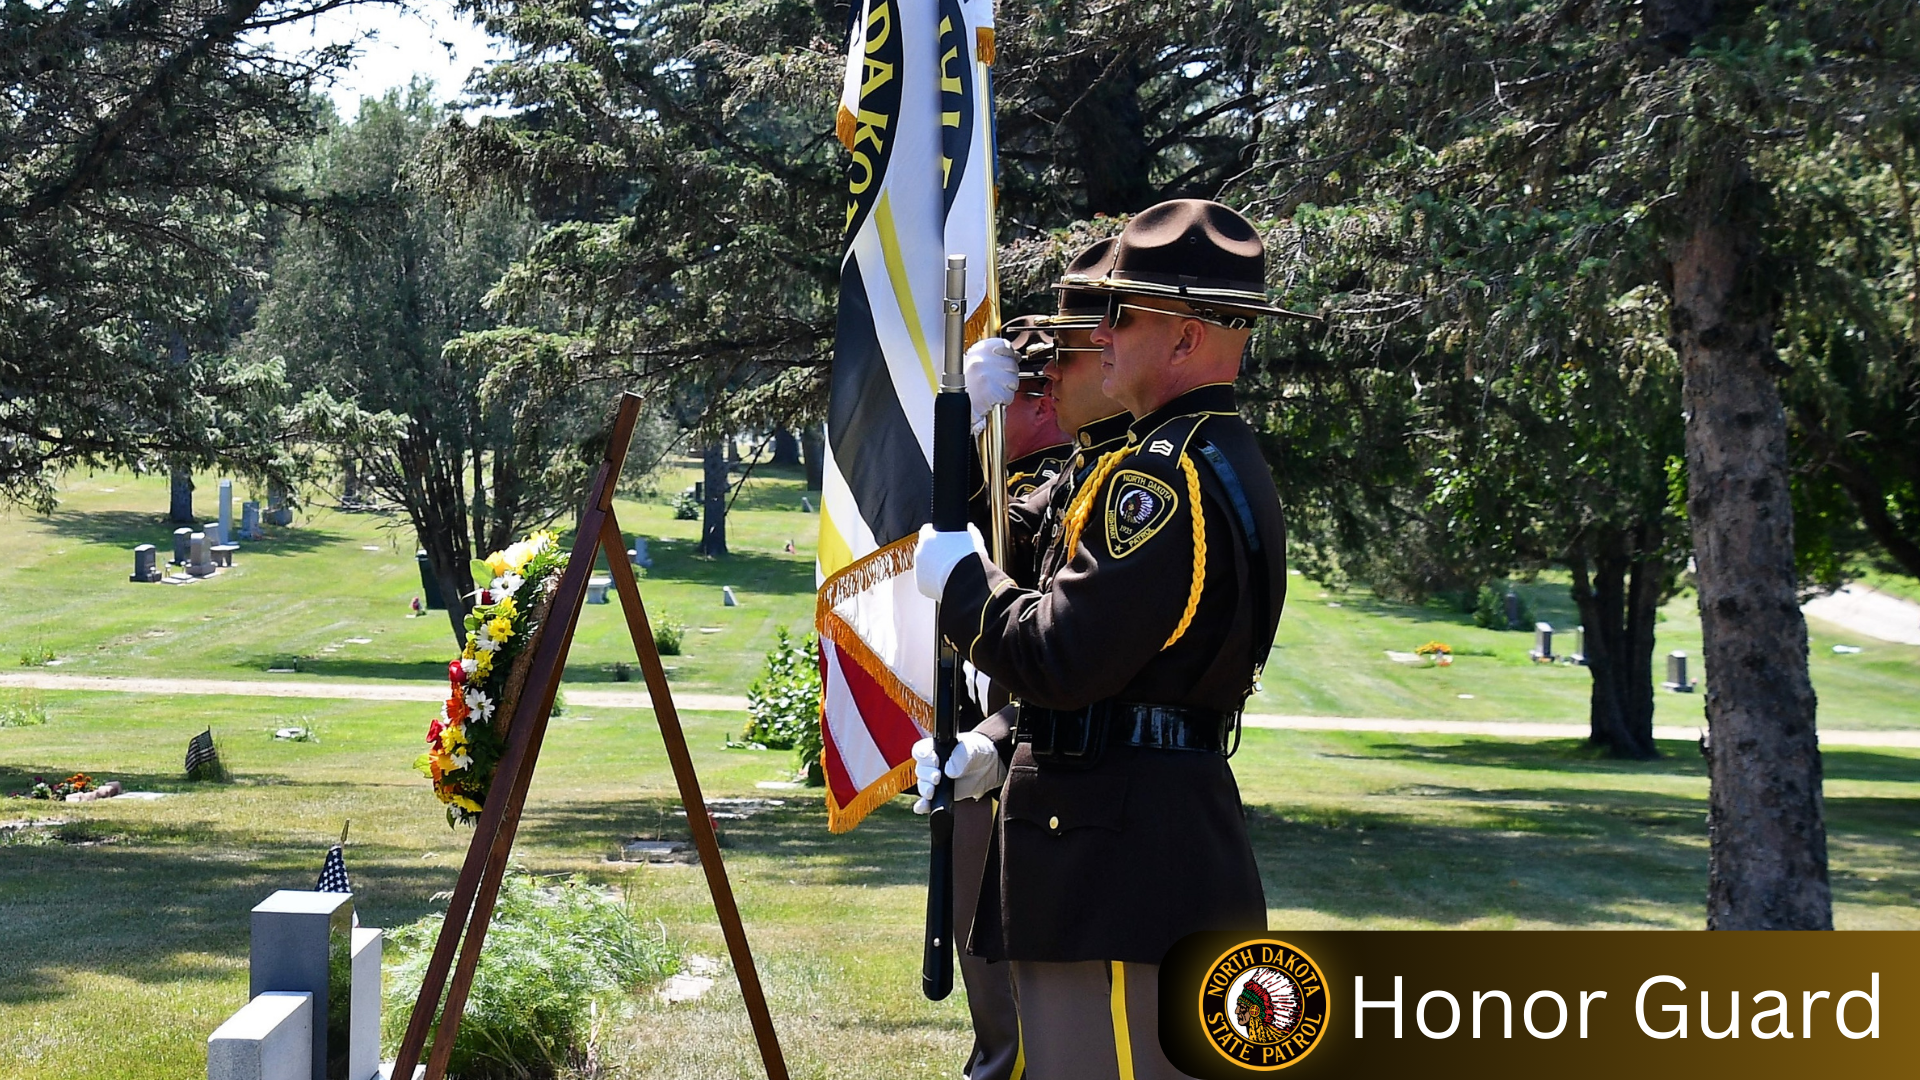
857, 577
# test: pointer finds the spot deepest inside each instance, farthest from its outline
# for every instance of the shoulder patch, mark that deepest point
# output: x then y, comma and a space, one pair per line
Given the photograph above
1138, 506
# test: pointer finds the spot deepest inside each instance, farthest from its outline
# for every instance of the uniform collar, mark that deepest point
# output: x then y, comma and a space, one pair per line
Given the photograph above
1211, 398
1031, 462
1103, 431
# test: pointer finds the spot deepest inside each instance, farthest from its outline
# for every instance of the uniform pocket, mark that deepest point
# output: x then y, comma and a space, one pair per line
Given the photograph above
1060, 802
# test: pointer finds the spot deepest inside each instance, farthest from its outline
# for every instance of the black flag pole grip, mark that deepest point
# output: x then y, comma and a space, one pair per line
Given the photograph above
952, 421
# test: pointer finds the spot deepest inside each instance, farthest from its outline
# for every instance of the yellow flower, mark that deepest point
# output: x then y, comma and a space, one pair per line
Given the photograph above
505, 608
482, 665
465, 803
497, 562
501, 628
467, 653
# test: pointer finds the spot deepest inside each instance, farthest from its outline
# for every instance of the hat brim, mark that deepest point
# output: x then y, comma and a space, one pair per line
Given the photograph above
1230, 301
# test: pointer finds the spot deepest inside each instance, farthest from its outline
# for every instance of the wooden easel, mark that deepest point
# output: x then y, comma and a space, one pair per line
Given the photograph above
471, 908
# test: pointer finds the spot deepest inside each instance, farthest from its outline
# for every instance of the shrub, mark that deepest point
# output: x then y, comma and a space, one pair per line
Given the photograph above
669, 636
686, 507
24, 710
783, 705
1490, 611
37, 656
556, 960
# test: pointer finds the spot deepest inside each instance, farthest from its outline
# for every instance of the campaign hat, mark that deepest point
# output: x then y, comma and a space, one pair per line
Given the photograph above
1194, 250
1031, 342
1080, 308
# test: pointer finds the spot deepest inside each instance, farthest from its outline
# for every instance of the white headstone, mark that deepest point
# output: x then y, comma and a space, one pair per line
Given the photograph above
597, 589
270, 1039
639, 553
1542, 643
363, 1041
727, 599
226, 511
250, 520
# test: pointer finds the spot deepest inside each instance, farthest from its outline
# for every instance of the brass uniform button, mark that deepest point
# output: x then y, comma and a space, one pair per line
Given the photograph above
1053, 823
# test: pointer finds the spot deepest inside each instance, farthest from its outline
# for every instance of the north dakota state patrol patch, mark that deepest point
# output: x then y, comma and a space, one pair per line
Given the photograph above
1263, 1004
1138, 506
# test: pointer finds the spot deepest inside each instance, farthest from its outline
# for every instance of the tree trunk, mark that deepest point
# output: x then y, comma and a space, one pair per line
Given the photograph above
1107, 134
350, 480
1617, 608
786, 448
813, 447
713, 530
429, 485
180, 506
1768, 846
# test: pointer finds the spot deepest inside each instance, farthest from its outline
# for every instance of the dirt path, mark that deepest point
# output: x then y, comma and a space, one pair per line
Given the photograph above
637, 699
1861, 610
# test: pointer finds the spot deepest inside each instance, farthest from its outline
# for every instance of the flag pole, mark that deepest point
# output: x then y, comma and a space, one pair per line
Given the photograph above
952, 417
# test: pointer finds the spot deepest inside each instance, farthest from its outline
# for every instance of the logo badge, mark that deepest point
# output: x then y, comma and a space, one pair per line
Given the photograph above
1163, 447
1263, 1005
1138, 506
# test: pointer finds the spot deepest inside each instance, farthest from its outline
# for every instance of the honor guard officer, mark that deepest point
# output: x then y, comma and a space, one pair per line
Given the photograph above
1121, 828
1036, 449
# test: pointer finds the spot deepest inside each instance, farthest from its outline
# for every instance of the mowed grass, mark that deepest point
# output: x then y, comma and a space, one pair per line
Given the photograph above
123, 935
123, 932
301, 597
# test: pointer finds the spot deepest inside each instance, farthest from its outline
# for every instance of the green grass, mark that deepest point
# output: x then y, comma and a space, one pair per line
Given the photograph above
123, 932
300, 597
1330, 659
123, 941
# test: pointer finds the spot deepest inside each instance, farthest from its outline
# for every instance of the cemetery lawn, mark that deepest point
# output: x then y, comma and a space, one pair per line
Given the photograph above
315, 599
123, 932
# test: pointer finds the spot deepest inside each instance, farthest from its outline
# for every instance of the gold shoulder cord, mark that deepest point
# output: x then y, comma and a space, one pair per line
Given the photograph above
1083, 506
1199, 550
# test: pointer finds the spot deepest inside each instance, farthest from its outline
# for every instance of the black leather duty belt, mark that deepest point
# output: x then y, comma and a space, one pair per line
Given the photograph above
1079, 735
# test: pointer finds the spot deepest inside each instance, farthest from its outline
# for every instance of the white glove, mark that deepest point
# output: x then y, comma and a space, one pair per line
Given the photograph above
974, 766
993, 377
977, 683
937, 553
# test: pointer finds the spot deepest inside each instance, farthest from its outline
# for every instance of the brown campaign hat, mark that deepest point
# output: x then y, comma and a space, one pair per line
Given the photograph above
1194, 250
1082, 309
1031, 343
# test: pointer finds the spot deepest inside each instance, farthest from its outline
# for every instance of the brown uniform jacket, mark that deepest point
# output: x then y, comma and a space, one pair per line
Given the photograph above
1119, 861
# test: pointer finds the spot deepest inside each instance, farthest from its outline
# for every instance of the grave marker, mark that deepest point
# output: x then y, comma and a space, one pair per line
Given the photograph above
199, 563
144, 568
226, 511
727, 599
270, 1039
1513, 610
1677, 674
1579, 646
182, 545
597, 590
1542, 651
638, 554
303, 943
250, 520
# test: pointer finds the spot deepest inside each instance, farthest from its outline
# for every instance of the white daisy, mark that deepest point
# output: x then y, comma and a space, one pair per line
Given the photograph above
506, 585
469, 665
480, 704
487, 644
461, 761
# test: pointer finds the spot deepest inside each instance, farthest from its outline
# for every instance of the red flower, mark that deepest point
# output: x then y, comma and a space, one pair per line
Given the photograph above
455, 673
457, 708
433, 731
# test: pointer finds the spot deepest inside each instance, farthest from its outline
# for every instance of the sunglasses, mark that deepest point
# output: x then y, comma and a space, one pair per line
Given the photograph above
1117, 307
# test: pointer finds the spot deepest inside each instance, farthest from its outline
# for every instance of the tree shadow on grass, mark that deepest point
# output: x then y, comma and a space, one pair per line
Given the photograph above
1549, 855
344, 668
1577, 756
889, 848
745, 571
155, 902
129, 528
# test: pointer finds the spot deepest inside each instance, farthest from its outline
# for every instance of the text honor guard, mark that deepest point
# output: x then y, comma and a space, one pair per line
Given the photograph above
1130, 657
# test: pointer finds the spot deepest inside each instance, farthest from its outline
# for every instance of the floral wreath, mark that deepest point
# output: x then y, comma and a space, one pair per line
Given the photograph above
466, 741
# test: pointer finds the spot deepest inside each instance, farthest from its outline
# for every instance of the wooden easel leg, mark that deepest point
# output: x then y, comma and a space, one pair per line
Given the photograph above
703, 836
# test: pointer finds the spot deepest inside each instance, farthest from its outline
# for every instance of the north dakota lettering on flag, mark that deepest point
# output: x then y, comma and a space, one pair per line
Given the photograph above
916, 118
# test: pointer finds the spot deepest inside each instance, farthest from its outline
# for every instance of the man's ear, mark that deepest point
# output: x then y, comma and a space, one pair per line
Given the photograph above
1193, 336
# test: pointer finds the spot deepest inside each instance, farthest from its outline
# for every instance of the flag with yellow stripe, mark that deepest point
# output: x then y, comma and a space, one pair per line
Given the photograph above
916, 118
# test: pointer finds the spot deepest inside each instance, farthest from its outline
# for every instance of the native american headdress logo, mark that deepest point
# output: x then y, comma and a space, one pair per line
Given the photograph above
1266, 1005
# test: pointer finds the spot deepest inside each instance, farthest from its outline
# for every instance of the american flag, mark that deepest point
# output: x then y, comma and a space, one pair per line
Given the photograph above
333, 876
200, 750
